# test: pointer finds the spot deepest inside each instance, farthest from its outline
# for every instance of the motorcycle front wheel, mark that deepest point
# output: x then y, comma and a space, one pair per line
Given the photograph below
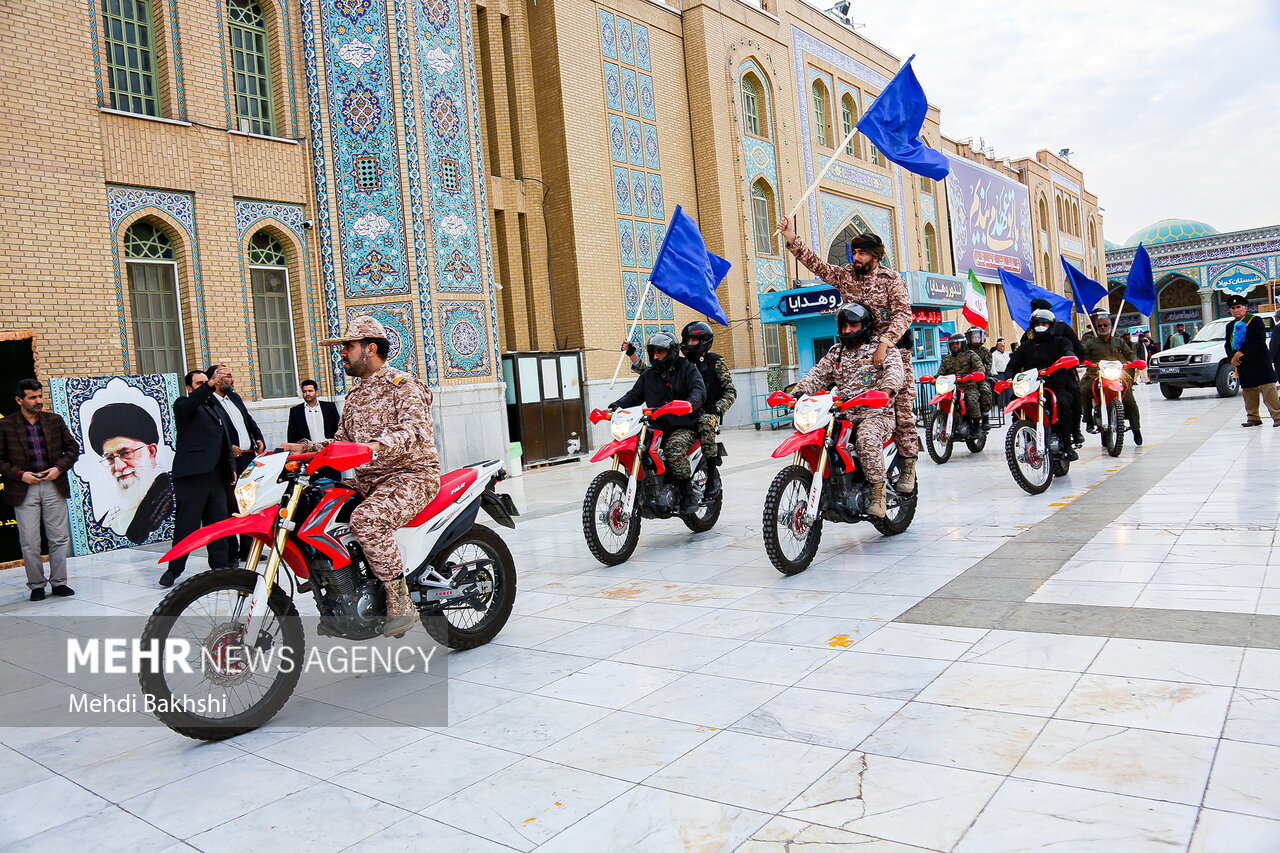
1028, 461
790, 542
936, 439
475, 621
611, 537
235, 687
1113, 437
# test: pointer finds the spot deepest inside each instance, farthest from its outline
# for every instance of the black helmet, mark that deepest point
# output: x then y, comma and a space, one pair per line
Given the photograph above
955, 341
696, 340
976, 335
667, 341
1040, 317
855, 312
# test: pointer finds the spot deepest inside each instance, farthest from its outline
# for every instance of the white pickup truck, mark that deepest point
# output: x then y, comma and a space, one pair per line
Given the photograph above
1202, 363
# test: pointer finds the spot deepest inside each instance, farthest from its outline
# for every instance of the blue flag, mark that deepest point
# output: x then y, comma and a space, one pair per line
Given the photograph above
1086, 291
893, 125
1018, 293
1140, 288
686, 271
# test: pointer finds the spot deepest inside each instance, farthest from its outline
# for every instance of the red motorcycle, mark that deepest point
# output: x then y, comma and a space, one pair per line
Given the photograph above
1032, 447
824, 481
949, 422
639, 486
244, 624
1107, 400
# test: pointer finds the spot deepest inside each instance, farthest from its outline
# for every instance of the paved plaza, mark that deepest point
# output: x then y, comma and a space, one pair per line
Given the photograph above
1093, 669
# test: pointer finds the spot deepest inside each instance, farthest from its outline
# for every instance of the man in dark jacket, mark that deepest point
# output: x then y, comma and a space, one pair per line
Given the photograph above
671, 378
1247, 348
202, 473
242, 431
1040, 350
313, 419
36, 452
1064, 331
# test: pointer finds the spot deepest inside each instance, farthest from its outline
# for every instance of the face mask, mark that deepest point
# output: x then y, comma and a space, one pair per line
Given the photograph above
1040, 330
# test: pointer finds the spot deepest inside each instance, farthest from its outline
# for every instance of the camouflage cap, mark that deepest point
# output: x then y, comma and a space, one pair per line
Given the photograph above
359, 328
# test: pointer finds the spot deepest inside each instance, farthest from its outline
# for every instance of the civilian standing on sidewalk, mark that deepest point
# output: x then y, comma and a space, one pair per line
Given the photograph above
36, 452
1247, 349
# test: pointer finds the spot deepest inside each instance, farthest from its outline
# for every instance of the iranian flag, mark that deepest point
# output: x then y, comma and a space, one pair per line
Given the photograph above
975, 302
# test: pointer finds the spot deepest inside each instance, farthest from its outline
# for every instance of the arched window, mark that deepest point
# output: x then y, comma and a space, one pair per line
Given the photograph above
152, 273
849, 115
930, 248
1075, 218
272, 316
1062, 224
1044, 213
131, 76
762, 218
821, 124
752, 98
1048, 271
926, 183
250, 67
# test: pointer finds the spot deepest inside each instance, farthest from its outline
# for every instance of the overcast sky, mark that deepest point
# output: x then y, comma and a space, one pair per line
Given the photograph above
1171, 109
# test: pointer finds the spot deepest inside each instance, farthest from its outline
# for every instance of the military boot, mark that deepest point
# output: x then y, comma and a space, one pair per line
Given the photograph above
401, 612
907, 479
713, 480
876, 507
689, 497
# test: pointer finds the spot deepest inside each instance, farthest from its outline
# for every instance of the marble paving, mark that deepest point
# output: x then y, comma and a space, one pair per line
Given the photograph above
1093, 669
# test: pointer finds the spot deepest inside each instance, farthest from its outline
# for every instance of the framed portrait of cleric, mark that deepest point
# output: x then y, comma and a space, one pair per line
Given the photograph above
121, 488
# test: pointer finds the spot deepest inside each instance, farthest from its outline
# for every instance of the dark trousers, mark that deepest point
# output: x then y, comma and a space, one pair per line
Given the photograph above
201, 499
1069, 411
1131, 416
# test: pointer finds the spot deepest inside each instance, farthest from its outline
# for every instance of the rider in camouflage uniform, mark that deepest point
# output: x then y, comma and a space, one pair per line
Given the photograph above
986, 399
961, 361
850, 367
884, 292
1104, 345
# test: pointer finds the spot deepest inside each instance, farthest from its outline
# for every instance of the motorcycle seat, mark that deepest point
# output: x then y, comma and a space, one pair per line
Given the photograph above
451, 485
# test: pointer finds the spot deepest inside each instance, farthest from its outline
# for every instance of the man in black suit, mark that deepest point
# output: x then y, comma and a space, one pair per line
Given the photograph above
242, 431
313, 419
202, 472
128, 440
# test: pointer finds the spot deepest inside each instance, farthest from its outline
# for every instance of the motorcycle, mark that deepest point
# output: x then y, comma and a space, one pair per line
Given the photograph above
824, 481
462, 580
638, 485
1107, 400
1031, 447
941, 430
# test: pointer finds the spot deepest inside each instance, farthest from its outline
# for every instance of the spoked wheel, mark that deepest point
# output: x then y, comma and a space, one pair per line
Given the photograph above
485, 558
1028, 459
936, 438
900, 508
236, 685
1113, 436
610, 536
708, 511
977, 440
1061, 466
790, 542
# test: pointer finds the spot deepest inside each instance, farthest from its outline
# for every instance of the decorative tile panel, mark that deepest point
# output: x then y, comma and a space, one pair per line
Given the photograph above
464, 340
639, 194
856, 176
651, 147
621, 191
608, 35
651, 304
666, 306
625, 47
635, 144
657, 207
630, 92
646, 96
618, 139
612, 86
627, 242
644, 245
397, 319
642, 46
631, 294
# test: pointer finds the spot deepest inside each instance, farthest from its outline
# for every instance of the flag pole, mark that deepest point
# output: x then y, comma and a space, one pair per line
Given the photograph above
827, 168
648, 285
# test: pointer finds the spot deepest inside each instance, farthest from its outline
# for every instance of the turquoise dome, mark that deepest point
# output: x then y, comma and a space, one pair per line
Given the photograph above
1169, 230
1107, 245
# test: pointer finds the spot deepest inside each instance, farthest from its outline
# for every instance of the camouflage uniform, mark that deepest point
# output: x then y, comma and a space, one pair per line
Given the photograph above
392, 408
885, 293
852, 371
986, 399
708, 421
962, 364
1114, 348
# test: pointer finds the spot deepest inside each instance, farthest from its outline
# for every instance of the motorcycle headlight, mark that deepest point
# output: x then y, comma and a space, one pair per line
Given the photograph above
1025, 383
805, 421
945, 384
619, 429
246, 495
1111, 370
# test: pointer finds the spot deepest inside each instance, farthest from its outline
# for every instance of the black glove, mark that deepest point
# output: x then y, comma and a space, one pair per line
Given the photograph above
629, 348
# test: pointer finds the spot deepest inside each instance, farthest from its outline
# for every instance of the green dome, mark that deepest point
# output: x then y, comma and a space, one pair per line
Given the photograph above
1169, 230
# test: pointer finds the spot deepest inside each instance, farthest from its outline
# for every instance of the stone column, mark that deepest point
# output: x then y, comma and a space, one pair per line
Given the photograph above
1206, 305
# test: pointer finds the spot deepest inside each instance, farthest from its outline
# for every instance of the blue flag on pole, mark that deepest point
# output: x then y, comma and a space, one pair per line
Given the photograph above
1140, 287
686, 271
1018, 293
1085, 290
893, 125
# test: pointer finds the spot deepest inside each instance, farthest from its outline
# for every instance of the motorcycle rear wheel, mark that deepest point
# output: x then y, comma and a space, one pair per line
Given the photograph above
709, 511
447, 626
789, 542
611, 540
977, 441
900, 509
939, 447
215, 602
1019, 449
1113, 438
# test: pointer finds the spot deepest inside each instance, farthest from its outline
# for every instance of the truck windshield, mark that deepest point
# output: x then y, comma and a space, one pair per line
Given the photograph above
1215, 331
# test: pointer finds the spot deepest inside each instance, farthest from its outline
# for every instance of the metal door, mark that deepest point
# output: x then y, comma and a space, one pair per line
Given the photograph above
545, 412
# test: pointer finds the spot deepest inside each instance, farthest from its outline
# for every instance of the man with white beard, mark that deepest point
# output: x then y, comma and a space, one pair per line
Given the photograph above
127, 439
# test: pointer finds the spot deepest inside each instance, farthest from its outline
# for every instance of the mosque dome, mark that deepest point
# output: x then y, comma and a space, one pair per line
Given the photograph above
1107, 245
1169, 230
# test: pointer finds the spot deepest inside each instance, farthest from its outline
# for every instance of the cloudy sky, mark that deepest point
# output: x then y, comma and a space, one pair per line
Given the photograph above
1171, 109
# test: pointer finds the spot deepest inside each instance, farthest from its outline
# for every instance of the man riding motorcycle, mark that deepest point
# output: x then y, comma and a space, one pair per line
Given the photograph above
390, 411
1041, 347
1104, 345
695, 345
1064, 331
959, 361
986, 399
671, 378
850, 366
885, 293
